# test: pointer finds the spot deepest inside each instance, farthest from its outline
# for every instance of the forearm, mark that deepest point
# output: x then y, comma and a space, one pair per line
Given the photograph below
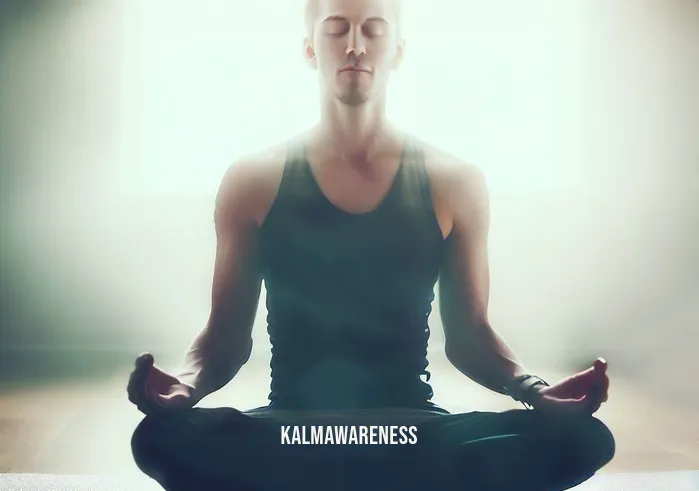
211, 362
484, 357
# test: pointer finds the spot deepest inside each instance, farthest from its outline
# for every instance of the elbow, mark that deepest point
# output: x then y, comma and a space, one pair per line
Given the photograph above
456, 353
236, 354
227, 363
246, 352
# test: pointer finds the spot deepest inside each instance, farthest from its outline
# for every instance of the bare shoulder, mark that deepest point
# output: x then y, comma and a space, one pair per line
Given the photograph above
458, 187
250, 184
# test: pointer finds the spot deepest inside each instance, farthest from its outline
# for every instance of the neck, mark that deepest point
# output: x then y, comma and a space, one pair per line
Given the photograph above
355, 132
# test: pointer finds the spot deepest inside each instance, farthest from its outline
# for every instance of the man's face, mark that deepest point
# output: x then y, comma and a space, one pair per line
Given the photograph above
355, 46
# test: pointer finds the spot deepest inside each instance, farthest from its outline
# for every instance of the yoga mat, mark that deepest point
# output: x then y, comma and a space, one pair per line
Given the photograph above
653, 481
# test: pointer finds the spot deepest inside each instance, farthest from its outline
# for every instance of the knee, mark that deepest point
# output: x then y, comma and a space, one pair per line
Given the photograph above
147, 446
591, 443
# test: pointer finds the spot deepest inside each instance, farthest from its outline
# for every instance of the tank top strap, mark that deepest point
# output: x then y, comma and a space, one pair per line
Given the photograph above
294, 183
413, 186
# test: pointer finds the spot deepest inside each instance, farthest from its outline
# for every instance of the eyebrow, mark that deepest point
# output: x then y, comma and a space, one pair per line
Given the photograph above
339, 18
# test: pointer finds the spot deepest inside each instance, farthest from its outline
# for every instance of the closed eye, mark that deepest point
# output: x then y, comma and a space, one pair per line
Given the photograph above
339, 26
336, 27
375, 28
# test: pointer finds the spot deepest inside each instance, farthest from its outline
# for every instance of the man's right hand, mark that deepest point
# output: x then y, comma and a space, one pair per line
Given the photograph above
154, 391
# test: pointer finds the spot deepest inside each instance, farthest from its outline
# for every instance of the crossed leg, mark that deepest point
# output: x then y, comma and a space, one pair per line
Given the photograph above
222, 449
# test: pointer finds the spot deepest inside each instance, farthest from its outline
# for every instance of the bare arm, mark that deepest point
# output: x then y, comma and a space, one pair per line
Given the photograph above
471, 344
225, 344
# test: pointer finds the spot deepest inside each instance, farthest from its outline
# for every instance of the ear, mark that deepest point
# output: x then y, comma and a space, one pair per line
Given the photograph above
400, 54
309, 54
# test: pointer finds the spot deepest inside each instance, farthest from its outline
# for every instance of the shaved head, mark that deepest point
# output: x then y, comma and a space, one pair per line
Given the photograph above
311, 14
354, 45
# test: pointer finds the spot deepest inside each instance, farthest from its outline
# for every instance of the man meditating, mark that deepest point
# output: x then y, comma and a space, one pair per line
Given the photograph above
350, 226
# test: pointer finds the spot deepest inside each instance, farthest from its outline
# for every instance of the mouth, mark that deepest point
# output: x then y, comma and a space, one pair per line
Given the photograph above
354, 69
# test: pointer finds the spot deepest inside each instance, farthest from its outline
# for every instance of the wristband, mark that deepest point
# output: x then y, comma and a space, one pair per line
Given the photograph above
523, 387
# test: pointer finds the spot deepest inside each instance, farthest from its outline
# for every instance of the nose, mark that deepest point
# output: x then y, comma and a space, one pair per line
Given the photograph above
356, 44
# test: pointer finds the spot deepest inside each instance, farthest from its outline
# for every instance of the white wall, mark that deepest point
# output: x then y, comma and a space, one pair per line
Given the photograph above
118, 118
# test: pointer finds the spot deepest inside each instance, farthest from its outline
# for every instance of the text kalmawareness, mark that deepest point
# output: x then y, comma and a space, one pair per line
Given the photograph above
349, 435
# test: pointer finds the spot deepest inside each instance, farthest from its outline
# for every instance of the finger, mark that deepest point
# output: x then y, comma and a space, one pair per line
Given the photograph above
137, 381
131, 388
145, 359
605, 389
149, 403
134, 386
587, 374
600, 388
598, 368
138, 378
595, 398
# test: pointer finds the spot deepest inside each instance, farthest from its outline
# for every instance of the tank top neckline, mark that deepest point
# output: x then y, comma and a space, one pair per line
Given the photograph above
382, 203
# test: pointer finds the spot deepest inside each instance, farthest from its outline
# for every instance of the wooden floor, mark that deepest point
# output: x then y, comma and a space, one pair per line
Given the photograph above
84, 427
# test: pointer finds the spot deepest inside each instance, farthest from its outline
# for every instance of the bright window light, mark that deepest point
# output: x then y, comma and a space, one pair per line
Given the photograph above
495, 83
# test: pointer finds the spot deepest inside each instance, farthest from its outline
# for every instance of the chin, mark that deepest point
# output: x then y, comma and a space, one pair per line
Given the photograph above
353, 98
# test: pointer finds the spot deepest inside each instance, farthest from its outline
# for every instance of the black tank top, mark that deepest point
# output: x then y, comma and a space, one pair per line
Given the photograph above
348, 295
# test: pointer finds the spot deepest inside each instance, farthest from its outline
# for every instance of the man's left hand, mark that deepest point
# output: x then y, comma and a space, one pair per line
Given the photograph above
581, 394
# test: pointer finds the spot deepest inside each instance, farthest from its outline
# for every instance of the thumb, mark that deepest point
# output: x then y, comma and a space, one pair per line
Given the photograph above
177, 397
145, 362
598, 369
567, 401
569, 406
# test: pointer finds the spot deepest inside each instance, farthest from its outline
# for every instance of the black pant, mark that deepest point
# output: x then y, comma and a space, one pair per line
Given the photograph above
518, 450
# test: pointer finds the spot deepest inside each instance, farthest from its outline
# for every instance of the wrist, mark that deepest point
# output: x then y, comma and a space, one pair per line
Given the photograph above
526, 389
188, 378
